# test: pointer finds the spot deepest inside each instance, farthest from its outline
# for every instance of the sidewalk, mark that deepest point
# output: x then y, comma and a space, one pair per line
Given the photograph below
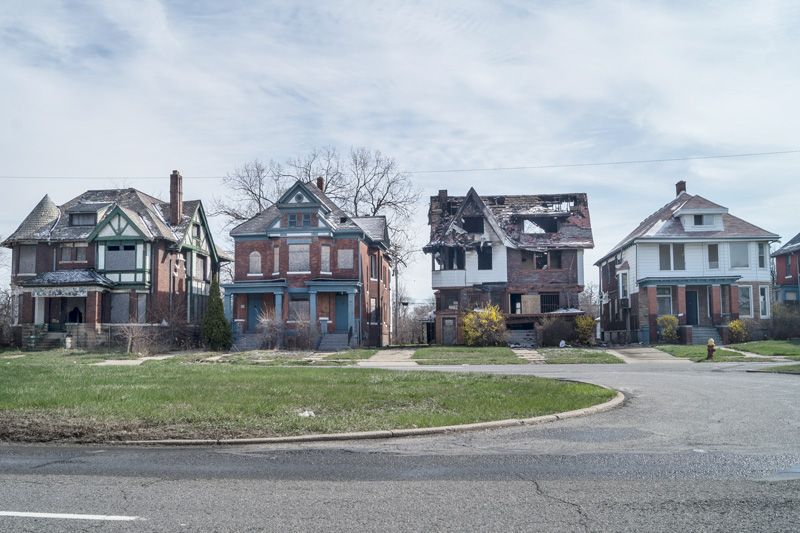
390, 358
529, 354
645, 354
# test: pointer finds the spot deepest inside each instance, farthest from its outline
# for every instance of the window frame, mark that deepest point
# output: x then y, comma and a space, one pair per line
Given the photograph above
325, 259
484, 257
738, 245
623, 285
666, 294
762, 255
348, 253
662, 248
763, 301
294, 251
255, 254
276, 259
715, 264
749, 290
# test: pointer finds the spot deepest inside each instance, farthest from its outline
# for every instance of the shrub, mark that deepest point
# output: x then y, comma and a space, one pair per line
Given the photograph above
216, 329
668, 326
485, 327
272, 328
785, 323
738, 331
552, 330
584, 329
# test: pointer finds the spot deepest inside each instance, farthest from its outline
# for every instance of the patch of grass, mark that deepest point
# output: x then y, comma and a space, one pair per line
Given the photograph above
782, 369
697, 353
466, 355
559, 356
352, 355
789, 348
46, 398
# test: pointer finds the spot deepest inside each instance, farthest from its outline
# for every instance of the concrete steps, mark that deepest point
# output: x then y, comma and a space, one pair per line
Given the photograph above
524, 338
333, 342
700, 335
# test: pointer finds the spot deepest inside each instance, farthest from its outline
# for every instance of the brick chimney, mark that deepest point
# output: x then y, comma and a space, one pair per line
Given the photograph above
321, 183
175, 198
443, 200
680, 187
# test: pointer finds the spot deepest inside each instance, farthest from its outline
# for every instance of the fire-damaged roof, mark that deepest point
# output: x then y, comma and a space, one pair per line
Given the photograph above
529, 222
791, 246
665, 223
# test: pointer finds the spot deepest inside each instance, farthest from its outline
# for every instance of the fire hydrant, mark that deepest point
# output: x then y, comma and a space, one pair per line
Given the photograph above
711, 347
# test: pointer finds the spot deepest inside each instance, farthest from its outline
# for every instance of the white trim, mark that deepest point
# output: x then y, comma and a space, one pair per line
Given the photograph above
324, 273
766, 300
69, 516
300, 272
750, 311
256, 274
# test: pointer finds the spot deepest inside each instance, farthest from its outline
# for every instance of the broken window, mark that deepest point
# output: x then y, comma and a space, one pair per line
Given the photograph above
540, 260
485, 258
473, 224
549, 302
531, 228
516, 304
540, 225
555, 259
449, 258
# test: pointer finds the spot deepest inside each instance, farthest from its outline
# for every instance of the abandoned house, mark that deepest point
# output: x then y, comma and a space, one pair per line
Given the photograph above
305, 262
523, 253
787, 272
109, 257
691, 259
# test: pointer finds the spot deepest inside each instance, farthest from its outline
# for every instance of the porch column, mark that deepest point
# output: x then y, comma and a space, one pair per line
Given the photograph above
716, 304
734, 301
652, 313
312, 306
279, 305
38, 310
351, 314
681, 305
227, 304
93, 307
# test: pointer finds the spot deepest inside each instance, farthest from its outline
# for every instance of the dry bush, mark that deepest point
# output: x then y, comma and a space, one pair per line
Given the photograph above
552, 330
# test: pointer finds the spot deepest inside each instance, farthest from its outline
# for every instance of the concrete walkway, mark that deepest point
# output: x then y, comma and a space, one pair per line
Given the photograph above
645, 354
754, 355
132, 362
529, 354
390, 358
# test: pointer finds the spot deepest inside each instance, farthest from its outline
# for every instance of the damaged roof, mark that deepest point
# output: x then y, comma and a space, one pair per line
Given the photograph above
68, 278
792, 246
559, 221
666, 224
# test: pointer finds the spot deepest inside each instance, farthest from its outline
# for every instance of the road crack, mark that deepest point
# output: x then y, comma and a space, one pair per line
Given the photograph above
583, 517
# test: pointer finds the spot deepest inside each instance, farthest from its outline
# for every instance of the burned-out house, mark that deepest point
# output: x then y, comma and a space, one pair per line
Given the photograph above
523, 253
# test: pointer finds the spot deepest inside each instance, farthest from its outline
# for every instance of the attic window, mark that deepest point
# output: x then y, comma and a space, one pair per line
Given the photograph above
83, 219
473, 224
342, 220
196, 231
299, 198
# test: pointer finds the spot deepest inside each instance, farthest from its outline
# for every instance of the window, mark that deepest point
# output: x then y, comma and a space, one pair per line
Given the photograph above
788, 263
196, 231
713, 256
200, 270
27, 260
485, 258
120, 308
540, 260
762, 255
664, 257
473, 224
745, 301
555, 259
299, 308
763, 301
80, 253
299, 258
373, 311
623, 285
373, 267
344, 259
740, 255
66, 253
254, 263
703, 220
678, 257
325, 258
83, 219
306, 220
664, 300
549, 302
120, 257
292, 220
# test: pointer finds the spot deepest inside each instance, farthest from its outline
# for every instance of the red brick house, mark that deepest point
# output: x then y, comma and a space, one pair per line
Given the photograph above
110, 257
523, 253
305, 260
787, 280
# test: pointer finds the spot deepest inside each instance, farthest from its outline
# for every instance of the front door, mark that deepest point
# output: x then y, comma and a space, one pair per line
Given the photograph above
342, 320
448, 331
253, 308
691, 308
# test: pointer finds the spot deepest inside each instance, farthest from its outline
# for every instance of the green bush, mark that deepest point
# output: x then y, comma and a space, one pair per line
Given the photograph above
738, 331
584, 329
552, 330
668, 326
785, 323
216, 329
485, 327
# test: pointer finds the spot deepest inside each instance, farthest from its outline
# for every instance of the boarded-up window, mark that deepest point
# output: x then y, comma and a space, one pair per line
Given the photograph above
200, 267
141, 310
373, 310
299, 308
120, 308
299, 258
276, 259
325, 258
664, 257
678, 257
80, 253
531, 304
345, 259
27, 260
120, 257
254, 266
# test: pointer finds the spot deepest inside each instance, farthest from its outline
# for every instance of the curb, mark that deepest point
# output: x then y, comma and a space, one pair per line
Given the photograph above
390, 433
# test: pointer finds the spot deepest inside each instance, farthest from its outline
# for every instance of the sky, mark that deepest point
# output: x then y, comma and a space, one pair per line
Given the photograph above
120, 90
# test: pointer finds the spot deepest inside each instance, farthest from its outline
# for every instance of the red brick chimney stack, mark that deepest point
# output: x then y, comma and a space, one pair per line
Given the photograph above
680, 187
175, 198
443, 200
321, 183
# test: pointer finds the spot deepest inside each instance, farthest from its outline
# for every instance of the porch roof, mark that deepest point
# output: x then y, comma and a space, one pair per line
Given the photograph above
698, 280
255, 287
68, 278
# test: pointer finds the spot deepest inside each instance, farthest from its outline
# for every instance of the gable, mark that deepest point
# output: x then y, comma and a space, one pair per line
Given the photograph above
117, 225
298, 196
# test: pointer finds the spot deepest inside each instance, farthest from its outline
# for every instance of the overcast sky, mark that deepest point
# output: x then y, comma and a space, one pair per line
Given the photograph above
118, 89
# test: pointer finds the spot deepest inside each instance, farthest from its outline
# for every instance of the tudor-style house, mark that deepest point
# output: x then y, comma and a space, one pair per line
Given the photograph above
110, 257
787, 272
691, 259
304, 259
523, 253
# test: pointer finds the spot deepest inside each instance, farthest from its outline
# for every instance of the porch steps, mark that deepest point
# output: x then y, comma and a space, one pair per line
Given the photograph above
333, 342
50, 341
700, 335
524, 338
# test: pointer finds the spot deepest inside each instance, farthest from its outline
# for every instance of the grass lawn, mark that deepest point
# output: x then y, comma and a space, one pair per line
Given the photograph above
46, 396
352, 355
788, 348
697, 353
558, 356
466, 355
782, 369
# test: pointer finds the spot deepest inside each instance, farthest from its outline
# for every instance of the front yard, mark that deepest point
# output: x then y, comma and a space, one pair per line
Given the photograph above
789, 348
782, 369
466, 355
697, 353
560, 356
53, 396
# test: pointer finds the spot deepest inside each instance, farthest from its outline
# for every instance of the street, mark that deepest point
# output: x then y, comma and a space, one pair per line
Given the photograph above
696, 447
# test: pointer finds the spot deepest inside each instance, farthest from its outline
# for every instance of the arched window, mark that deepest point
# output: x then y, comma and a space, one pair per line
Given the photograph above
255, 263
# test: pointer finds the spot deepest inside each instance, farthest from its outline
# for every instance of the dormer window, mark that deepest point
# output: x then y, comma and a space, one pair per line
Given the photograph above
82, 219
703, 220
296, 219
473, 224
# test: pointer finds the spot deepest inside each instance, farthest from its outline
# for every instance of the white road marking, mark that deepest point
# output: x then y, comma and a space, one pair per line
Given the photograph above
68, 516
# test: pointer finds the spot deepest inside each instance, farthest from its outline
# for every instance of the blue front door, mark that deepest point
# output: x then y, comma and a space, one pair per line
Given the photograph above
342, 322
253, 307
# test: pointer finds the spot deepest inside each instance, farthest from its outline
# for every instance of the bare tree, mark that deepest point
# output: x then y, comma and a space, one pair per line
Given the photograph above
589, 299
250, 189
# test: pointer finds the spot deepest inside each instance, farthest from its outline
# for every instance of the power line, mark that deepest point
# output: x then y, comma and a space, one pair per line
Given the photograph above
449, 170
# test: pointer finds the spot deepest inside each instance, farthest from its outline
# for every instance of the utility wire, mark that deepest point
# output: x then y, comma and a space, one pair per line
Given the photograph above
449, 170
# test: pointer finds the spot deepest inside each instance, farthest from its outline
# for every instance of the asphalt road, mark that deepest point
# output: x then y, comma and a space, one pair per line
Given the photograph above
700, 447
